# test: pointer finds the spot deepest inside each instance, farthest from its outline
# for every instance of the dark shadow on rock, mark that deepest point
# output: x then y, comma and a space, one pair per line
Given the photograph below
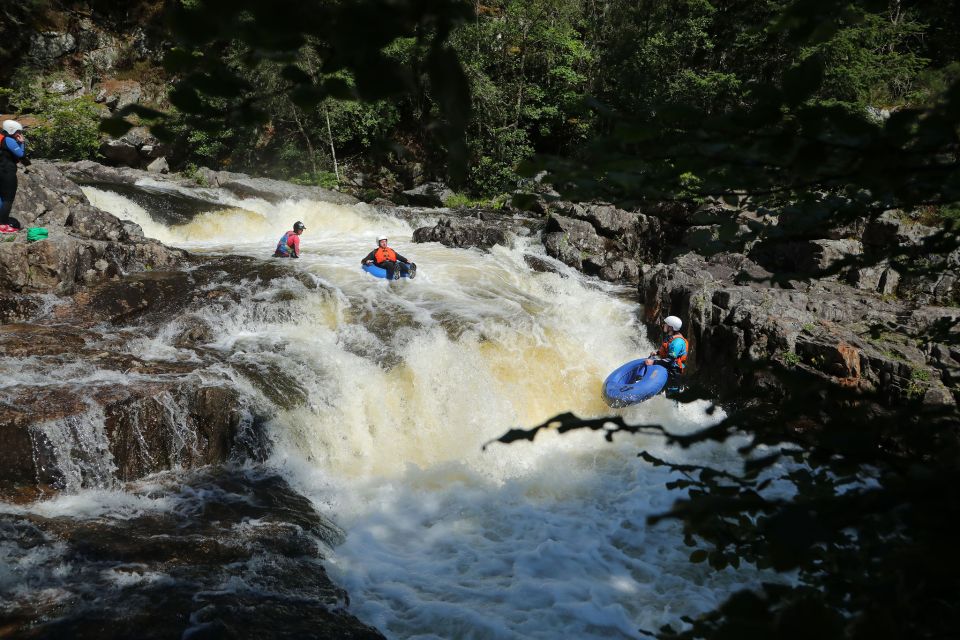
238, 556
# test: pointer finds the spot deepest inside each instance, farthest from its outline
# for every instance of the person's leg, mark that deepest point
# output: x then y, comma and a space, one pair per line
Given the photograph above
390, 267
8, 191
404, 268
674, 385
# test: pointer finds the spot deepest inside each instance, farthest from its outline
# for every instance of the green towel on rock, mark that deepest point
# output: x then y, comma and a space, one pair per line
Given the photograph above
36, 233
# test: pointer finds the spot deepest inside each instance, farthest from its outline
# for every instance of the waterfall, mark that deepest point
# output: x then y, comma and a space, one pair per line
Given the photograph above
382, 395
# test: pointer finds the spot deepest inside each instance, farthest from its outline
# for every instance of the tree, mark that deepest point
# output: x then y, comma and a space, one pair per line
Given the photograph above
345, 37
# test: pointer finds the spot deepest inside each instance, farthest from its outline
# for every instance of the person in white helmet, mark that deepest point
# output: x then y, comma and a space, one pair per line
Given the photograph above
392, 262
13, 150
672, 354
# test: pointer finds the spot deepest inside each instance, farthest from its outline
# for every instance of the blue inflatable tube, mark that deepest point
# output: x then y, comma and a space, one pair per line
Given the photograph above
380, 273
633, 382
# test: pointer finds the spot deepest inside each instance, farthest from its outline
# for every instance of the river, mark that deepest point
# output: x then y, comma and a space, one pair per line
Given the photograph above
398, 385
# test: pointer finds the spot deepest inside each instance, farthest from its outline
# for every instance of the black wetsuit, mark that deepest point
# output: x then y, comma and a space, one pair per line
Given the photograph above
8, 178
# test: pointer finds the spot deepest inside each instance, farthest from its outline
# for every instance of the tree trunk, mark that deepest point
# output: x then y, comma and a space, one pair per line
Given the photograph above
306, 137
333, 151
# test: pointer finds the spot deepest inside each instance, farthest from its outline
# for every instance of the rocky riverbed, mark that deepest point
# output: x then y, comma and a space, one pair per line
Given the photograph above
81, 314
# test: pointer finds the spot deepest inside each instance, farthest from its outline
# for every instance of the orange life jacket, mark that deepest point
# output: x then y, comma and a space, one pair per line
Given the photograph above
383, 254
665, 350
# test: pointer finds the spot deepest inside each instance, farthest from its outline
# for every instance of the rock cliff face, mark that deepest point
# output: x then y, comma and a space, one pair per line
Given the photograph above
110, 52
736, 318
477, 228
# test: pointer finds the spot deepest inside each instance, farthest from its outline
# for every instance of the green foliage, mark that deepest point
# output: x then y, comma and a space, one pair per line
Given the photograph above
919, 382
458, 200
67, 128
528, 68
872, 58
259, 83
325, 179
461, 200
210, 145
947, 215
358, 126
192, 172
792, 358
658, 52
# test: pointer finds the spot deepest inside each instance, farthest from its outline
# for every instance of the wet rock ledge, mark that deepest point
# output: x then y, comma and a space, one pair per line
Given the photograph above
81, 404
211, 553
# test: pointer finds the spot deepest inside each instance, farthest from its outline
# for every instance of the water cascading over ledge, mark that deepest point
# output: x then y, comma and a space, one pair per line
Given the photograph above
84, 403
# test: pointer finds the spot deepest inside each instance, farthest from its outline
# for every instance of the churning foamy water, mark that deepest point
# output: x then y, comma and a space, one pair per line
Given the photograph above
394, 387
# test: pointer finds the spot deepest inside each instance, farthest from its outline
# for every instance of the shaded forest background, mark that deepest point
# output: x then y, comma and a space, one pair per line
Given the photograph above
544, 76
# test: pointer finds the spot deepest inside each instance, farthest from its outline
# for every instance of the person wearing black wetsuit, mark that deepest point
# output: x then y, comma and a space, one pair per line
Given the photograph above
12, 152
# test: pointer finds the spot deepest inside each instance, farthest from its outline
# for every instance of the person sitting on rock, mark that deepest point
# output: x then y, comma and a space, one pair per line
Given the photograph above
289, 245
672, 354
12, 151
389, 260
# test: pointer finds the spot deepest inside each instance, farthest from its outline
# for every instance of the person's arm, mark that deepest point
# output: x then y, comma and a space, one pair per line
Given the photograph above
369, 258
400, 258
18, 149
294, 245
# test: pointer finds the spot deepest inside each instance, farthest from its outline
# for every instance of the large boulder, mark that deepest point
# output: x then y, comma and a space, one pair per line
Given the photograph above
903, 260
48, 46
459, 232
605, 241
429, 194
90, 172
893, 230
575, 243
819, 257
136, 148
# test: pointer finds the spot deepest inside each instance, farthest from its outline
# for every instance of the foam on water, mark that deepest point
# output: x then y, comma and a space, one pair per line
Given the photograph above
404, 382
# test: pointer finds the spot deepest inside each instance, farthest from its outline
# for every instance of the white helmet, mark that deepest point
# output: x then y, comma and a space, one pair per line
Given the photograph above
12, 126
673, 322
379, 238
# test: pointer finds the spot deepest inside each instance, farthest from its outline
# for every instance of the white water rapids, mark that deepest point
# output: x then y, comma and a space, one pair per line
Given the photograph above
404, 383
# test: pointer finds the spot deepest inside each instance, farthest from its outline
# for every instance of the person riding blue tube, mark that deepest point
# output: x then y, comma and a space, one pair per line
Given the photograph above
390, 261
672, 354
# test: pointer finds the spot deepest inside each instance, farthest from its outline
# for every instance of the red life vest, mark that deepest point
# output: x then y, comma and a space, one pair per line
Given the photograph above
284, 246
665, 350
383, 254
